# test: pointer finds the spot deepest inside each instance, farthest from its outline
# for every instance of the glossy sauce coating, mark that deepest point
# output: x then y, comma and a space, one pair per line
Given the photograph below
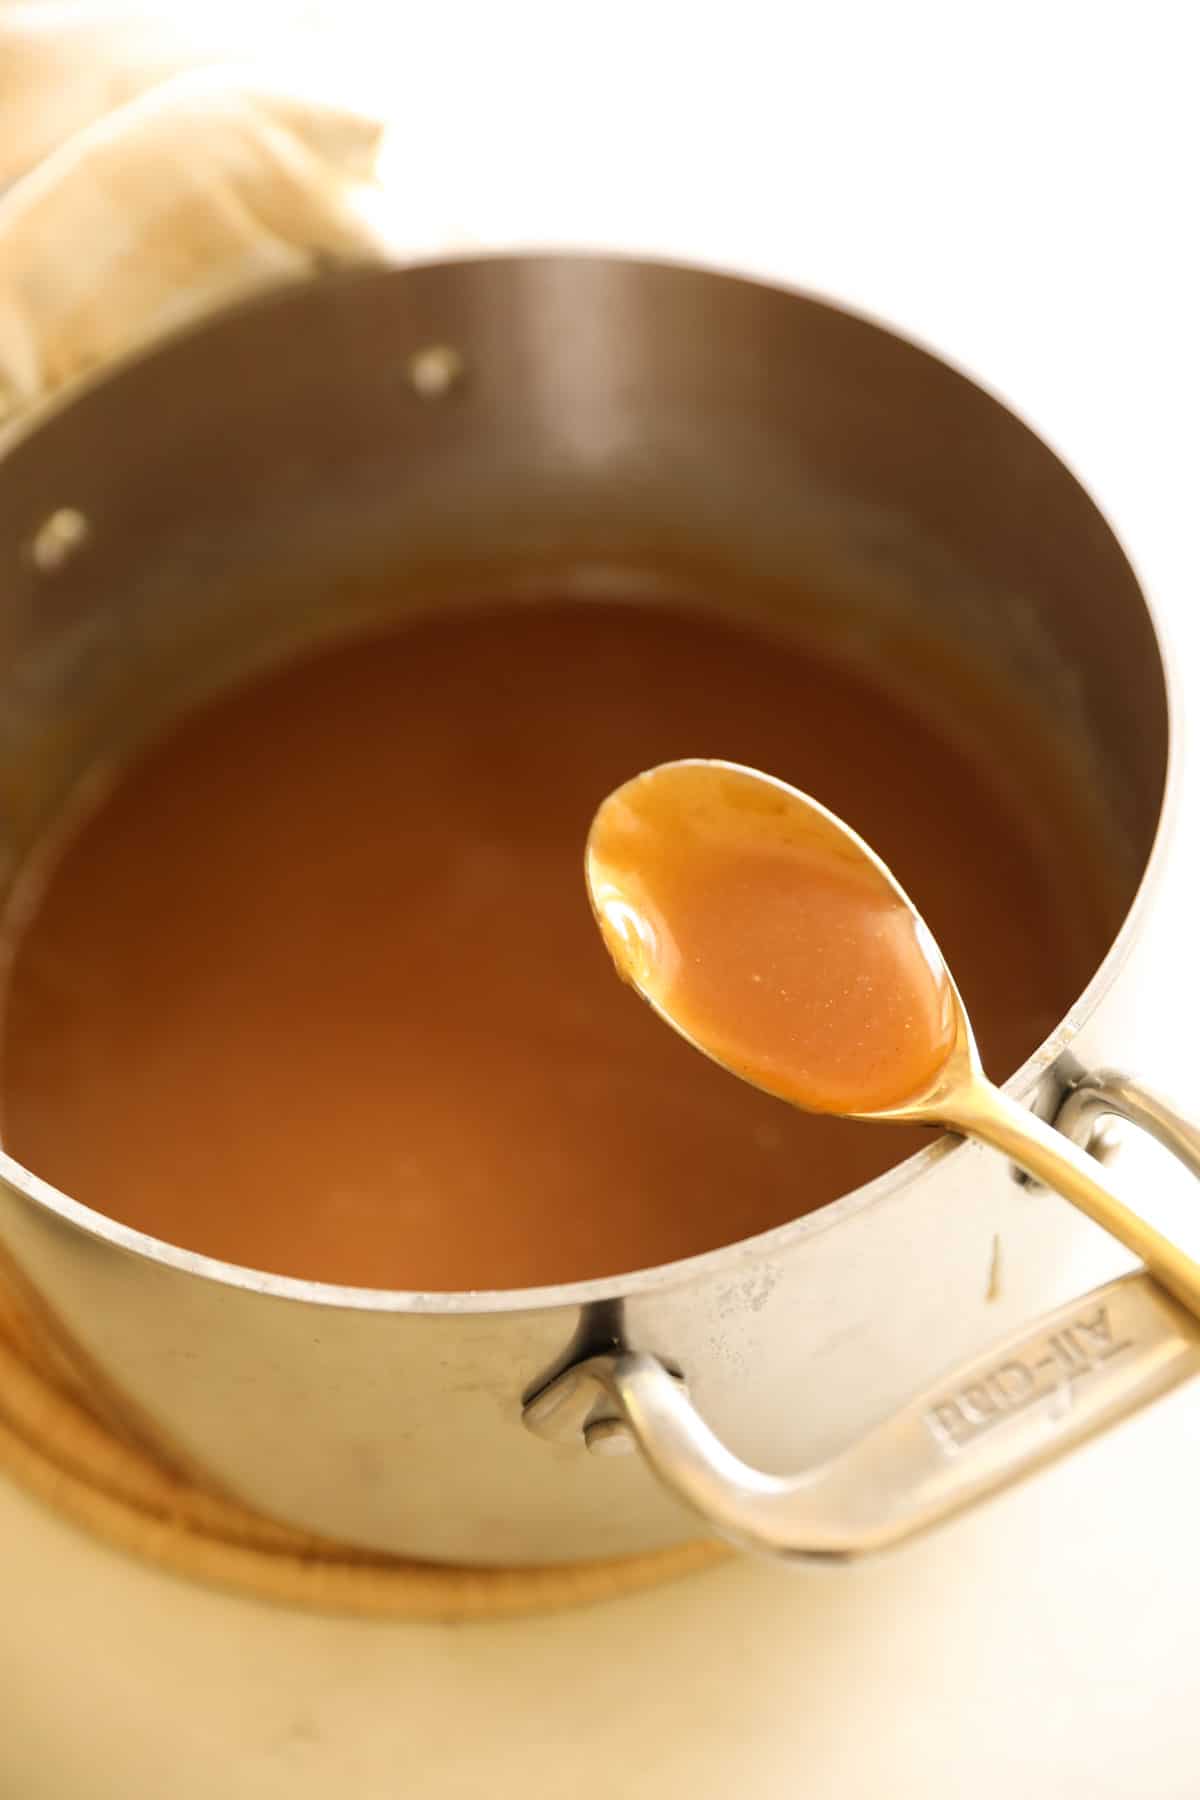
770, 937
316, 987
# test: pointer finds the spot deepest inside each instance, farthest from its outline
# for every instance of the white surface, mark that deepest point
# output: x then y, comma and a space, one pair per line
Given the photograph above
1017, 187
1047, 1648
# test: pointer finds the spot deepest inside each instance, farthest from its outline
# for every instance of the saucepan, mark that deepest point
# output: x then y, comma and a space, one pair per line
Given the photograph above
565, 423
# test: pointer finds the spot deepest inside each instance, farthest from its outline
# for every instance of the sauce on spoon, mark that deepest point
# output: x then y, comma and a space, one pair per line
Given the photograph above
769, 934
775, 940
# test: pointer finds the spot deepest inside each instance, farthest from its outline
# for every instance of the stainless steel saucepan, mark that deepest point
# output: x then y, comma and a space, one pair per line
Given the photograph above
569, 424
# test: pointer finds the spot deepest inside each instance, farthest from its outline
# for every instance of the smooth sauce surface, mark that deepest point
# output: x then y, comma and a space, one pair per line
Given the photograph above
317, 989
763, 932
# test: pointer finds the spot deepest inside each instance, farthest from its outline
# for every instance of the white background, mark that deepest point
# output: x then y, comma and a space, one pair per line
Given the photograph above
1015, 185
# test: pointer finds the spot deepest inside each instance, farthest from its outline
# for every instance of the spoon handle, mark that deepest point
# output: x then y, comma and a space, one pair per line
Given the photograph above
983, 1111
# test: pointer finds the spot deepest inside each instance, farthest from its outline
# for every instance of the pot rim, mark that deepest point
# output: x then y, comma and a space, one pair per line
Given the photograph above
780, 1238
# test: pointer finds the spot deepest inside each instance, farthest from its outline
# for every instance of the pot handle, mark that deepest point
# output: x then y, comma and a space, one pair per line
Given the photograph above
1106, 1092
1026, 1401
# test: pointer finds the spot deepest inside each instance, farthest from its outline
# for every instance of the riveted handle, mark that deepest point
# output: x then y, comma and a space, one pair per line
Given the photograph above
1108, 1093
992, 1421
1028, 1400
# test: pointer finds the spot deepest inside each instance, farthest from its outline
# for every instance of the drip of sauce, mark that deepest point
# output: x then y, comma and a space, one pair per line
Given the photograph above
314, 987
770, 937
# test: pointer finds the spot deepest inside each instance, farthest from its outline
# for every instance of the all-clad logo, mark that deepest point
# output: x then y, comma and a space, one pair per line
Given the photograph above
1051, 1366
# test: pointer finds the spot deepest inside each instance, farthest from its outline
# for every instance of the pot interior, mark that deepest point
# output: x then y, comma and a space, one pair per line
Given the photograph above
371, 449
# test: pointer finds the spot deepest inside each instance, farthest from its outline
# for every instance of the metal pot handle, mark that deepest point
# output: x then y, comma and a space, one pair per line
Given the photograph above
991, 1421
1107, 1092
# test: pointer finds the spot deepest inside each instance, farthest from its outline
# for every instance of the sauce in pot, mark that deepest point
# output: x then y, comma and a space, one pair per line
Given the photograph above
314, 986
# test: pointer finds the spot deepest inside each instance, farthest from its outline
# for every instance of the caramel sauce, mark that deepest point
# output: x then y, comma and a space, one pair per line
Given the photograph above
770, 938
314, 987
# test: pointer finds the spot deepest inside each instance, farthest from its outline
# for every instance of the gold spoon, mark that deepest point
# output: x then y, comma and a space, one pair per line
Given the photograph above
775, 941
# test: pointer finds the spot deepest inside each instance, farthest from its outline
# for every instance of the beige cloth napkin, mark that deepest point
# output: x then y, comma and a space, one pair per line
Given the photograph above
196, 190
66, 63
